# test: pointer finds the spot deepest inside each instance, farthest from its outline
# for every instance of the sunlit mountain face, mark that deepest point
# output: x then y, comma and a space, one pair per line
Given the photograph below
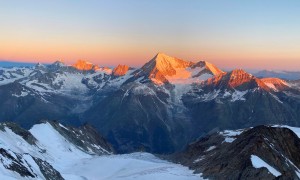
160, 108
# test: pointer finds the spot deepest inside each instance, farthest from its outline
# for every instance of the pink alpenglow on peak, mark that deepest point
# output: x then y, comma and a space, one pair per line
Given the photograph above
85, 65
120, 70
166, 69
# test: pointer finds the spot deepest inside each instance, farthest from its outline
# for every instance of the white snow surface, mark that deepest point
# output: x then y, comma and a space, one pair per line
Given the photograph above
238, 95
230, 134
74, 164
210, 148
12, 74
259, 163
67, 83
128, 166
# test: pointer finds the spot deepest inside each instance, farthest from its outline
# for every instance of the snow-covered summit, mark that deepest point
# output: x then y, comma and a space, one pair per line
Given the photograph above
166, 69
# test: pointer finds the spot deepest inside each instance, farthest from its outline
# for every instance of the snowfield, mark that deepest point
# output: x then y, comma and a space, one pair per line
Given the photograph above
74, 164
142, 166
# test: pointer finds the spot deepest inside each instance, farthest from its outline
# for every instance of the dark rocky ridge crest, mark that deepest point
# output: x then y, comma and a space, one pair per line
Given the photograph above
84, 137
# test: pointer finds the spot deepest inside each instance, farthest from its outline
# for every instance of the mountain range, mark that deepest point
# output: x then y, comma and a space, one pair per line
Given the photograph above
159, 108
287, 75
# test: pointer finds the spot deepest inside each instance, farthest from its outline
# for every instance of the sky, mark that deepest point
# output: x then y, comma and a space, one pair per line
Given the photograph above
254, 34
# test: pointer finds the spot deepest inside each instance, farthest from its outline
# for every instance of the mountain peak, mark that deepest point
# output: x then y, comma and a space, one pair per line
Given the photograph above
163, 69
39, 65
58, 63
237, 78
85, 65
161, 54
240, 74
120, 70
275, 83
165, 64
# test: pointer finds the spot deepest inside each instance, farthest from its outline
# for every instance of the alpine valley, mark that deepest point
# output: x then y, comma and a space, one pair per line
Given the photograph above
61, 120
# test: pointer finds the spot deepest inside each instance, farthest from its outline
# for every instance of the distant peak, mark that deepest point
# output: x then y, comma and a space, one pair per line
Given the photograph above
85, 65
240, 73
120, 70
237, 78
274, 80
275, 83
80, 61
39, 66
58, 63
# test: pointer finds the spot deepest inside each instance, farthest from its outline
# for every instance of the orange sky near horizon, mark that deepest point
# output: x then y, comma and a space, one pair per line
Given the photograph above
249, 35
113, 55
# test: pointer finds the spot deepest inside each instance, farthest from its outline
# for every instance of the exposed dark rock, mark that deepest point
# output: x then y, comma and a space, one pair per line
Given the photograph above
27, 136
85, 138
16, 163
279, 147
48, 171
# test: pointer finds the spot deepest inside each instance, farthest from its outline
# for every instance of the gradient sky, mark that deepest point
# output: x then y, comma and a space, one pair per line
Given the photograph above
257, 34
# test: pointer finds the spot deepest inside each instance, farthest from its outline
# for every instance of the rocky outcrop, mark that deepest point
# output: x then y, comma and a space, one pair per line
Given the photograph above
228, 155
85, 138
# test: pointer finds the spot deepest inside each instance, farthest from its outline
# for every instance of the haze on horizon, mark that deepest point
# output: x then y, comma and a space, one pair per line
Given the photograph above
254, 34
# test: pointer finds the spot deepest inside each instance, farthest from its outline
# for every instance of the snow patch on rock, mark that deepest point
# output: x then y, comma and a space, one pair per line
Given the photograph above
259, 163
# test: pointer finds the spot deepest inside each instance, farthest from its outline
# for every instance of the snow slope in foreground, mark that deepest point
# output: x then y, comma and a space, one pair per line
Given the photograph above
77, 165
74, 164
142, 166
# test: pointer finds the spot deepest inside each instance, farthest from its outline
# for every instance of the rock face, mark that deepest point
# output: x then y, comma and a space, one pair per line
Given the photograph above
234, 154
41, 152
21, 163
